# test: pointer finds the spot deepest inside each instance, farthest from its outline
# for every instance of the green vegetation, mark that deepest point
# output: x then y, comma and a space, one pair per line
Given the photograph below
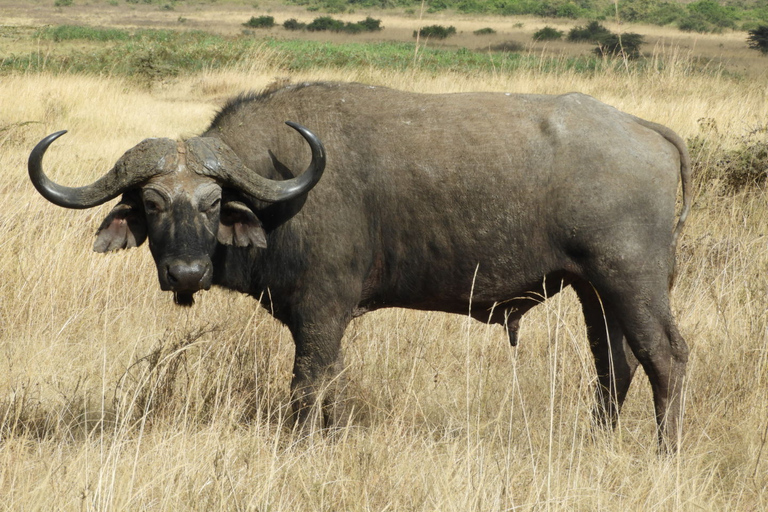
620, 45
548, 34
592, 33
435, 31
294, 24
260, 22
608, 43
738, 167
484, 31
700, 15
157, 54
758, 39
508, 46
76, 32
324, 23
333, 25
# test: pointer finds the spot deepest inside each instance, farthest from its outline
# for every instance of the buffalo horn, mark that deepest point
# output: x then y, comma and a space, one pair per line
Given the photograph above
129, 171
221, 162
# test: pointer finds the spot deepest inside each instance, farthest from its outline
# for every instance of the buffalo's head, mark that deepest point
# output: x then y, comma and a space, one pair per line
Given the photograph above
185, 197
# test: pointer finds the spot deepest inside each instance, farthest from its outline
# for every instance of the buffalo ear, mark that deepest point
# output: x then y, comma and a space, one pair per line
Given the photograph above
124, 227
240, 227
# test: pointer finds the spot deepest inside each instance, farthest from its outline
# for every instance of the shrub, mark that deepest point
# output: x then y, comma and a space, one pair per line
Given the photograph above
437, 5
508, 46
695, 23
666, 13
758, 39
62, 3
484, 31
260, 22
568, 10
712, 12
435, 31
743, 167
370, 24
614, 45
325, 23
746, 166
547, 34
472, 6
294, 24
591, 33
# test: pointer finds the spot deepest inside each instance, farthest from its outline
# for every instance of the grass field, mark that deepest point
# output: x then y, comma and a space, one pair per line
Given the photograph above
111, 398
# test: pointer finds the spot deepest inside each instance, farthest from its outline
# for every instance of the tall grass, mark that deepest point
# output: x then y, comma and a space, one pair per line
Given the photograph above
112, 398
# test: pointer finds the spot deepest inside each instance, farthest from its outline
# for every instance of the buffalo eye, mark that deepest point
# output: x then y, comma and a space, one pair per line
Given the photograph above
208, 199
154, 202
210, 206
152, 207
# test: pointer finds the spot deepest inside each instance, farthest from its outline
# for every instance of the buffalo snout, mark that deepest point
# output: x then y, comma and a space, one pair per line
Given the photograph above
188, 277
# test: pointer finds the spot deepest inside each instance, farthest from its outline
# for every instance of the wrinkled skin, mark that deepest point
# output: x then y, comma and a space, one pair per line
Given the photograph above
428, 202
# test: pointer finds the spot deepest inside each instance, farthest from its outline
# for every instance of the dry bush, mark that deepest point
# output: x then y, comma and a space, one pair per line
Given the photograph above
112, 398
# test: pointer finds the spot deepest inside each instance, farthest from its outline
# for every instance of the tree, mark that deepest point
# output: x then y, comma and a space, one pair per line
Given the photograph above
758, 39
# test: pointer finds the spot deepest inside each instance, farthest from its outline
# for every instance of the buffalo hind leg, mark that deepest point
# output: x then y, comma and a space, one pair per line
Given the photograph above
614, 361
645, 316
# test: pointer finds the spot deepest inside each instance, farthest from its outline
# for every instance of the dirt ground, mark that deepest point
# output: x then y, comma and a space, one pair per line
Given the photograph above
728, 50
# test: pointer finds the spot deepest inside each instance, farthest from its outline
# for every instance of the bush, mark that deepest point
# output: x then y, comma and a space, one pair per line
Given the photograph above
62, 3
592, 33
568, 10
472, 6
435, 31
326, 23
758, 39
740, 168
508, 46
695, 23
615, 45
667, 13
548, 34
260, 22
746, 166
712, 12
294, 24
370, 24
484, 31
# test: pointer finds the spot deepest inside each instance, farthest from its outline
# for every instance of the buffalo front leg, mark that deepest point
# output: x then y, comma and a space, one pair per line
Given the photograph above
317, 383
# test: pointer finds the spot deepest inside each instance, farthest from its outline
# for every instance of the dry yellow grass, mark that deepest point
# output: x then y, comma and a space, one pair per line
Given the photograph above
113, 399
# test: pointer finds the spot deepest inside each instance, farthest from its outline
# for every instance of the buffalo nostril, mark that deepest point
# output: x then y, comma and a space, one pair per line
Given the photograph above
186, 276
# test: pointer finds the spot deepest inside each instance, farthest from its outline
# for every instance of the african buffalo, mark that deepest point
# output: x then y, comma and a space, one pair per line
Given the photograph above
429, 202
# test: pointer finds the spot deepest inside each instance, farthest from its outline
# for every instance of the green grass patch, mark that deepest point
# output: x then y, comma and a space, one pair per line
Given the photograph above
158, 54
76, 32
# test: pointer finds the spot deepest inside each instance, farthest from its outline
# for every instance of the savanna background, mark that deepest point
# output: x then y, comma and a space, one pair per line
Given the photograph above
111, 398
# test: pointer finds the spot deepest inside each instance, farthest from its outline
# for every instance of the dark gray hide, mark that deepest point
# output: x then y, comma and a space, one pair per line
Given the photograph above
428, 201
